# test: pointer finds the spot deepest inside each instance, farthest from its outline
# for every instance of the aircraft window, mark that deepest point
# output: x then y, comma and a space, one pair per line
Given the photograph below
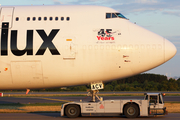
50, 18
120, 15
68, 18
39, 18
62, 18
114, 16
56, 18
108, 15
17, 18
28, 18
45, 18
34, 18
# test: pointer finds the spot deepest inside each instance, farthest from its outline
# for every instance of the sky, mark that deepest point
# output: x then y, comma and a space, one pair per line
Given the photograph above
159, 16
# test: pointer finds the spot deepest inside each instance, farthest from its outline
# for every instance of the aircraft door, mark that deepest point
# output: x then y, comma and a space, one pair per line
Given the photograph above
6, 15
69, 48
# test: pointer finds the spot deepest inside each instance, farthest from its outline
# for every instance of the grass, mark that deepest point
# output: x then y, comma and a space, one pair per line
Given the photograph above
34, 104
30, 108
78, 95
172, 102
68, 95
42, 95
172, 94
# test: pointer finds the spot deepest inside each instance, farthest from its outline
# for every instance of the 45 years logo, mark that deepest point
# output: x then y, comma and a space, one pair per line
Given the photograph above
105, 34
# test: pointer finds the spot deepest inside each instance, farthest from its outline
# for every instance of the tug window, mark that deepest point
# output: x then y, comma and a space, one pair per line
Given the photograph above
153, 99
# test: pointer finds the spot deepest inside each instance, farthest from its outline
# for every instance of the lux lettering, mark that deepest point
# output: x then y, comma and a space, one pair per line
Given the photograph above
47, 43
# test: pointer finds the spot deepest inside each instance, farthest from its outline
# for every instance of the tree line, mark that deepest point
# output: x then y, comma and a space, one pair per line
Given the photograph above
141, 82
144, 82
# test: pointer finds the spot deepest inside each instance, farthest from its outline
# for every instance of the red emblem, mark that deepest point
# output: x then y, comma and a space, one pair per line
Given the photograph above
101, 106
5, 69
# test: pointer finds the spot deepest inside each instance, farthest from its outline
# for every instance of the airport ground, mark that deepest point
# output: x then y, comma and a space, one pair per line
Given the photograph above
47, 105
56, 116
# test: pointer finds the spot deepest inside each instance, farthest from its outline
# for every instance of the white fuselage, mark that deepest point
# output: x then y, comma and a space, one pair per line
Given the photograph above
75, 45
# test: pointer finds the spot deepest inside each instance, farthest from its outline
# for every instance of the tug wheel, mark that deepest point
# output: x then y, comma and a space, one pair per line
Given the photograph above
72, 111
131, 111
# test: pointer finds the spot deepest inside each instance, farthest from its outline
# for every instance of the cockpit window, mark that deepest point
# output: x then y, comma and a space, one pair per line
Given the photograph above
120, 15
108, 15
114, 15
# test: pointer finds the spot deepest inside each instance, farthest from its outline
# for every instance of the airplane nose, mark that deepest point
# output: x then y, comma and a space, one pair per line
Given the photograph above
170, 50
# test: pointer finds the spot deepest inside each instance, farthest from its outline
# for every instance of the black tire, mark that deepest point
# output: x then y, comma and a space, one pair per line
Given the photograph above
72, 111
131, 111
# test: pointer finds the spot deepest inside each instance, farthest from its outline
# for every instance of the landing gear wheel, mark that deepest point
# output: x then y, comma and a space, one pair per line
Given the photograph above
131, 111
72, 111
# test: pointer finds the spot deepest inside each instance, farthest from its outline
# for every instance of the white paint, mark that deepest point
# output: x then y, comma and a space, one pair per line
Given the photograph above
89, 59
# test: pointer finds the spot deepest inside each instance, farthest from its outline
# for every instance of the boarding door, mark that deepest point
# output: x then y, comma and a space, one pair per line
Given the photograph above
69, 52
6, 16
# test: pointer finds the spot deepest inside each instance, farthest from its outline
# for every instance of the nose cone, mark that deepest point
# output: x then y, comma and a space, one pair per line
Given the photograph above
170, 50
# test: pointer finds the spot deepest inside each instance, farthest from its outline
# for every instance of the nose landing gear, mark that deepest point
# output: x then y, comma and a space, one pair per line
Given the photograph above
95, 87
